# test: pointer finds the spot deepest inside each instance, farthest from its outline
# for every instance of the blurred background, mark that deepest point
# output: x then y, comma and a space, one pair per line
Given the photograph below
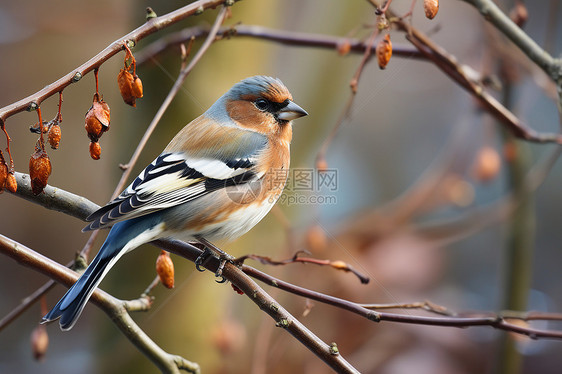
419, 205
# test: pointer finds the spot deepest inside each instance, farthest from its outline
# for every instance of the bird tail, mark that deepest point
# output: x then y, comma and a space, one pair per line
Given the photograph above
123, 237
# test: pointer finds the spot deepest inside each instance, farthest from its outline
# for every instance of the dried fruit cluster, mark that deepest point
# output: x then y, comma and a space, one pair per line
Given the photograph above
97, 122
129, 83
97, 118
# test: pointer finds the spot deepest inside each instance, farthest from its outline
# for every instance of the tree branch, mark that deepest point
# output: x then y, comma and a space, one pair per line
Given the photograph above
289, 38
115, 308
497, 321
493, 14
151, 26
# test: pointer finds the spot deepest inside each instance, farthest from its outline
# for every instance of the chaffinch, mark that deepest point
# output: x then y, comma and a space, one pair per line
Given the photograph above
218, 177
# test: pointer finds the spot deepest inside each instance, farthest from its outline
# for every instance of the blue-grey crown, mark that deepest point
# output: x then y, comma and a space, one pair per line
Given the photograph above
255, 85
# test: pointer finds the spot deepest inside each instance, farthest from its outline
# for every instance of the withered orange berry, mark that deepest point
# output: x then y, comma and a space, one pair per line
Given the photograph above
95, 150
11, 183
3, 171
97, 119
39, 170
54, 136
487, 164
165, 269
130, 87
343, 47
510, 151
39, 342
431, 7
384, 51
316, 239
519, 14
321, 164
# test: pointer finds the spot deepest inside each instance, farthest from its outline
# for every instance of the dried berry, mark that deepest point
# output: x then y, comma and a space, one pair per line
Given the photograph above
510, 151
487, 164
458, 191
11, 183
519, 14
343, 47
95, 150
321, 164
431, 7
165, 269
54, 135
97, 119
384, 51
39, 342
3, 171
316, 239
39, 170
228, 336
130, 86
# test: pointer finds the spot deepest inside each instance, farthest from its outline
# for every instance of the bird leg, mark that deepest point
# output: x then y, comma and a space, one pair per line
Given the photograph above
212, 251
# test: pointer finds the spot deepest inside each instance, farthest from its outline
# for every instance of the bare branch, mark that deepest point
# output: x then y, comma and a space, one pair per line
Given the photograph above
151, 26
452, 320
491, 13
55, 198
283, 319
290, 38
110, 305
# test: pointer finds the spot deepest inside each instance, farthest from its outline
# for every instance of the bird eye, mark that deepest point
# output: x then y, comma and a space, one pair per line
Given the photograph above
262, 104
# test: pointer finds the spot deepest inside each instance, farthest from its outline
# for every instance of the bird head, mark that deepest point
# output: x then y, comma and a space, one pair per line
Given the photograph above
262, 104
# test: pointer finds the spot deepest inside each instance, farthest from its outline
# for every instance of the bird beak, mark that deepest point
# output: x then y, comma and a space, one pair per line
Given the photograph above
291, 111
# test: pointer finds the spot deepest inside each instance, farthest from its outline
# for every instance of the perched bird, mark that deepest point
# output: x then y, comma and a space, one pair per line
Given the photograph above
218, 177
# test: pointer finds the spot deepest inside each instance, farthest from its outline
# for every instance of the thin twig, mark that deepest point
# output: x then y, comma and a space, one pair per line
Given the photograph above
503, 23
265, 302
191, 253
150, 27
284, 37
115, 308
460, 320
171, 95
80, 210
338, 265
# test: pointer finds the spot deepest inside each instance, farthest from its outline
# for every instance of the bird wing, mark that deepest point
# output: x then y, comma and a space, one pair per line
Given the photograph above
175, 178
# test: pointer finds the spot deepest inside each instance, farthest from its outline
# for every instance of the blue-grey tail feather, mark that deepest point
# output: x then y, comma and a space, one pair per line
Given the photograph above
70, 306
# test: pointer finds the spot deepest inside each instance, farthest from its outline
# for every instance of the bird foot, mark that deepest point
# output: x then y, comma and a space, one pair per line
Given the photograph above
209, 252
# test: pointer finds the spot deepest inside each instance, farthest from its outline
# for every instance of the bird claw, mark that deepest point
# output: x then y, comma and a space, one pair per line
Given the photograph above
222, 280
202, 259
221, 256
